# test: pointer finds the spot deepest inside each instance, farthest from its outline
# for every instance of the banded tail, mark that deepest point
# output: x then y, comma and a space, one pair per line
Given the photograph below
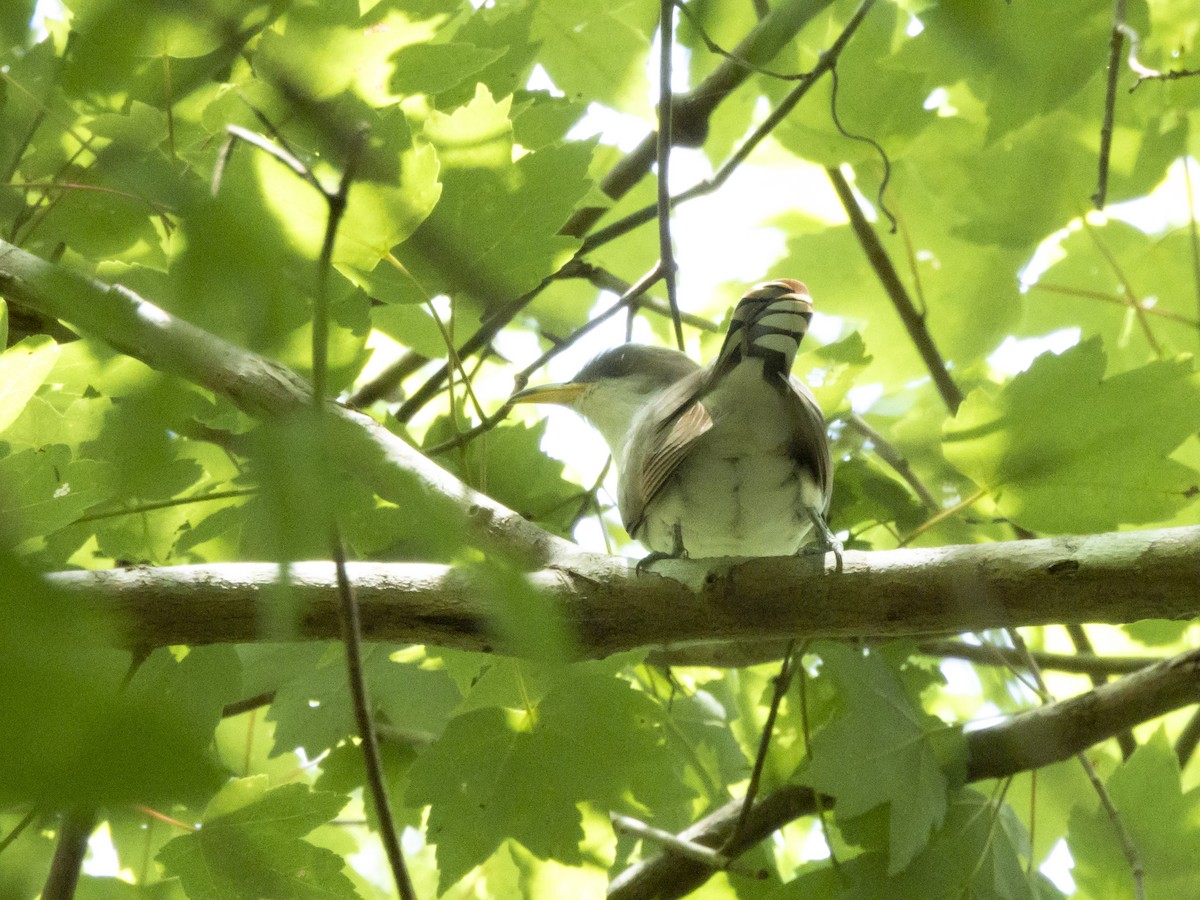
768, 324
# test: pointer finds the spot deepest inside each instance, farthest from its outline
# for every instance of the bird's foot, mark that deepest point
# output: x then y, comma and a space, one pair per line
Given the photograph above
826, 541
677, 552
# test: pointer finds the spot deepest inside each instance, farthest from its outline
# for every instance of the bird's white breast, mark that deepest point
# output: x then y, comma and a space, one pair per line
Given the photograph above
740, 492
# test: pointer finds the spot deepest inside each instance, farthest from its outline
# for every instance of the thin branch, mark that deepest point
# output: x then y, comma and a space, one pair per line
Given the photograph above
1072, 663
607, 281
1027, 741
626, 300
69, 851
782, 682
693, 110
714, 47
1129, 301
666, 252
891, 455
1132, 299
914, 321
1145, 73
825, 63
352, 638
942, 516
351, 620
486, 332
1185, 744
229, 710
1116, 40
630, 296
1124, 838
17, 829
388, 380
1083, 646
168, 504
687, 849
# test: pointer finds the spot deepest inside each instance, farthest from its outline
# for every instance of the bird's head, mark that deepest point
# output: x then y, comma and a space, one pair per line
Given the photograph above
614, 387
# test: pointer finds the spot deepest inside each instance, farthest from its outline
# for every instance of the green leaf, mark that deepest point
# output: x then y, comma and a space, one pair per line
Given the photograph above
1162, 820
1061, 449
978, 852
596, 50
494, 234
41, 491
23, 368
433, 68
313, 709
1091, 287
495, 774
885, 749
1011, 55
71, 735
250, 845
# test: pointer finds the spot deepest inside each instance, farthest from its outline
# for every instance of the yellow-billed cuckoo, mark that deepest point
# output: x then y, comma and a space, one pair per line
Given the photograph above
726, 460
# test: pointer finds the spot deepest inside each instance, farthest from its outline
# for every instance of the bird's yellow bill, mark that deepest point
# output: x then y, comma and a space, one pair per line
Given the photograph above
550, 393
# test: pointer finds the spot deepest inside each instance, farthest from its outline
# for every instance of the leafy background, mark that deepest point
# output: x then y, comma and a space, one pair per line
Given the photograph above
1069, 333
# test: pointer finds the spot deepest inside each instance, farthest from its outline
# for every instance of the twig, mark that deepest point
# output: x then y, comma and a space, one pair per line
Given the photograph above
589, 497
1025, 742
942, 516
806, 732
692, 110
167, 504
782, 681
1145, 73
1185, 744
246, 704
707, 856
351, 624
25, 822
914, 321
387, 380
891, 455
1073, 663
1117, 39
626, 300
635, 290
373, 762
1131, 299
488, 330
607, 281
1123, 836
825, 63
714, 47
1083, 645
1129, 302
666, 252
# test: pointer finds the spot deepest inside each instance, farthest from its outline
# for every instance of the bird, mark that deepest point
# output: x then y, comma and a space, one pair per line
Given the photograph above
731, 459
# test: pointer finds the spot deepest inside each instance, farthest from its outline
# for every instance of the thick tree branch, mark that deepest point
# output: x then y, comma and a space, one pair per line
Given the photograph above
135, 326
1117, 577
1027, 741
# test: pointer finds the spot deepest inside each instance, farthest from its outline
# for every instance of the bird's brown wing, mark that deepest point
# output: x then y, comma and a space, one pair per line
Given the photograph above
809, 444
660, 442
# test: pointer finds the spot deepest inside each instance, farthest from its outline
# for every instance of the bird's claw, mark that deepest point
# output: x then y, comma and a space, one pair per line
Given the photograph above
677, 552
826, 542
